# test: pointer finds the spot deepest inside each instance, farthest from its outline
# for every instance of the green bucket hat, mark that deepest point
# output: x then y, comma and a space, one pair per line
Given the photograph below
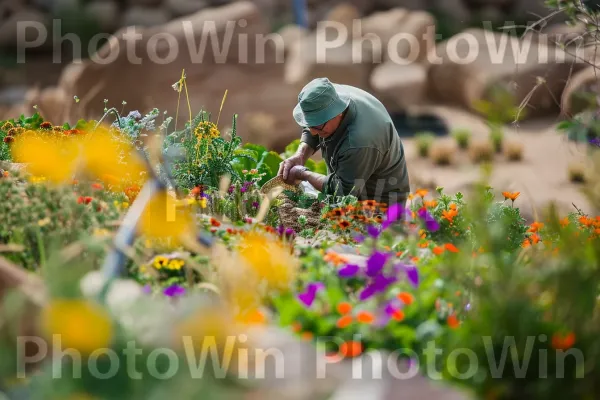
318, 102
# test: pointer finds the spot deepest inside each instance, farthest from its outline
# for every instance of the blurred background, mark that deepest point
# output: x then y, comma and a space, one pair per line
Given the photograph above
452, 116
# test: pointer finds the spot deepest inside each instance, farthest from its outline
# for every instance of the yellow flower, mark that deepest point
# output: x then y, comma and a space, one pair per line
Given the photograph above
101, 233
160, 262
191, 201
125, 204
162, 219
176, 264
269, 260
80, 324
203, 202
44, 222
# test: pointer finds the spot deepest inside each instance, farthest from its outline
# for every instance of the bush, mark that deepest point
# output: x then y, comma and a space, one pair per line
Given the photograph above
481, 151
442, 153
424, 140
513, 151
462, 137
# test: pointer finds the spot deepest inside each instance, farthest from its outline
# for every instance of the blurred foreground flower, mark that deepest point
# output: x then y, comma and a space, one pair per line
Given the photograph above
163, 220
80, 324
100, 154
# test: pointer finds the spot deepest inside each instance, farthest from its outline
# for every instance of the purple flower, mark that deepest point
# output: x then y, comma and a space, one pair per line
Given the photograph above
359, 238
468, 307
376, 262
394, 213
411, 273
373, 231
308, 297
430, 222
174, 291
348, 271
231, 188
255, 204
379, 285
147, 289
289, 232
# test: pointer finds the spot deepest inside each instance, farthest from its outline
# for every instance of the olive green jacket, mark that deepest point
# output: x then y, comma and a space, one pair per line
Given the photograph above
364, 156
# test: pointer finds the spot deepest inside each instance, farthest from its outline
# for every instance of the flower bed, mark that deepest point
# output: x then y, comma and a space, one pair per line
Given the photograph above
468, 279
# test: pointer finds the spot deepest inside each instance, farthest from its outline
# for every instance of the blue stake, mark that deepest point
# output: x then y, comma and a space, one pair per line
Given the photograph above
300, 13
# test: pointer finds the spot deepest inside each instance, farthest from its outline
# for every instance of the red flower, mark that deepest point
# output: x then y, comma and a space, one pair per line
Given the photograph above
84, 200
214, 222
46, 125
8, 139
96, 186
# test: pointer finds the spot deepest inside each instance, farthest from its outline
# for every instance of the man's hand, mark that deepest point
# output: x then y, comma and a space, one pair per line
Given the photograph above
304, 152
296, 175
286, 166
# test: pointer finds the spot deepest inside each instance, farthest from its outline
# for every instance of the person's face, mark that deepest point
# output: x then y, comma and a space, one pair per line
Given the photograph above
327, 129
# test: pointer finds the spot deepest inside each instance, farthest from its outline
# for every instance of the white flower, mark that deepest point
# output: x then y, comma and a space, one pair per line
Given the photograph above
121, 295
91, 284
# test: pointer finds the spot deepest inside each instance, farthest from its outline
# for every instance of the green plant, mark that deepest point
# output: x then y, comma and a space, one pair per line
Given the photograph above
481, 151
424, 140
462, 137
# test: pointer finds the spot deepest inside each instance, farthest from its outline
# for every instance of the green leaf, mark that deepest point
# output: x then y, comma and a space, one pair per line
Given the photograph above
321, 167
272, 161
256, 147
291, 148
311, 165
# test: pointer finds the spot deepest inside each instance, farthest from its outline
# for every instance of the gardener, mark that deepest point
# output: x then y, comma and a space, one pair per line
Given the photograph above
356, 136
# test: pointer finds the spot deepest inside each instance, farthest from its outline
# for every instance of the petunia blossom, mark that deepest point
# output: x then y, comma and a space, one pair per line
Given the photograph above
376, 262
412, 274
348, 271
379, 285
373, 231
430, 222
308, 297
174, 291
394, 213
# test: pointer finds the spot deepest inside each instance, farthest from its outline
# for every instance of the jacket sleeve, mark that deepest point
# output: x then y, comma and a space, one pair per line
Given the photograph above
312, 141
354, 167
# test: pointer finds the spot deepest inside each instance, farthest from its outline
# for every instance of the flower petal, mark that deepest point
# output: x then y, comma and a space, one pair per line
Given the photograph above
348, 271
376, 262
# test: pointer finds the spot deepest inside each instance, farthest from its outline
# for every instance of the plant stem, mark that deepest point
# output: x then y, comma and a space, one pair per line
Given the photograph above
113, 110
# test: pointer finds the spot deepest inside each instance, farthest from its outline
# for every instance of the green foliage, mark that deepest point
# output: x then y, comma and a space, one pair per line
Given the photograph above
462, 137
497, 138
424, 140
36, 216
208, 156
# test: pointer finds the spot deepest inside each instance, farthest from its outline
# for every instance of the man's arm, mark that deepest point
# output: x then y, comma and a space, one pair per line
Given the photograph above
315, 179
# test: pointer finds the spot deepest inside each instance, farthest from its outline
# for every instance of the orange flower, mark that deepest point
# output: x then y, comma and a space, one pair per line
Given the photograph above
511, 195
307, 336
437, 250
335, 258
296, 327
196, 191
96, 186
535, 227
336, 212
398, 315
453, 322
414, 259
351, 349
430, 203
452, 206
424, 244
526, 243
422, 233
535, 238
421, 192
343, 224
369, 203
564, 222
449, 215
584, 220
411, 196
344, 321
451, 247
399, 254
406, 298
344, 308
365, 317
560, 342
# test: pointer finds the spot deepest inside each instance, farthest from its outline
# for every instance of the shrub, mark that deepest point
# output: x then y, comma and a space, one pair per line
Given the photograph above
497, 139
442, 153
513, 151
462, 137
481, 151
577, 172
424, 140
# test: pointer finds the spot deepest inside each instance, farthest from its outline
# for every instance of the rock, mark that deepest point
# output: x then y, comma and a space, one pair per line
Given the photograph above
144, 3
455, 10
344, 13
9, 33
105, 12
252, 74
413, 5
463, 69
584, 82
290, 34
399, 86
145, 16
342, 63
403, 34
185, 7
